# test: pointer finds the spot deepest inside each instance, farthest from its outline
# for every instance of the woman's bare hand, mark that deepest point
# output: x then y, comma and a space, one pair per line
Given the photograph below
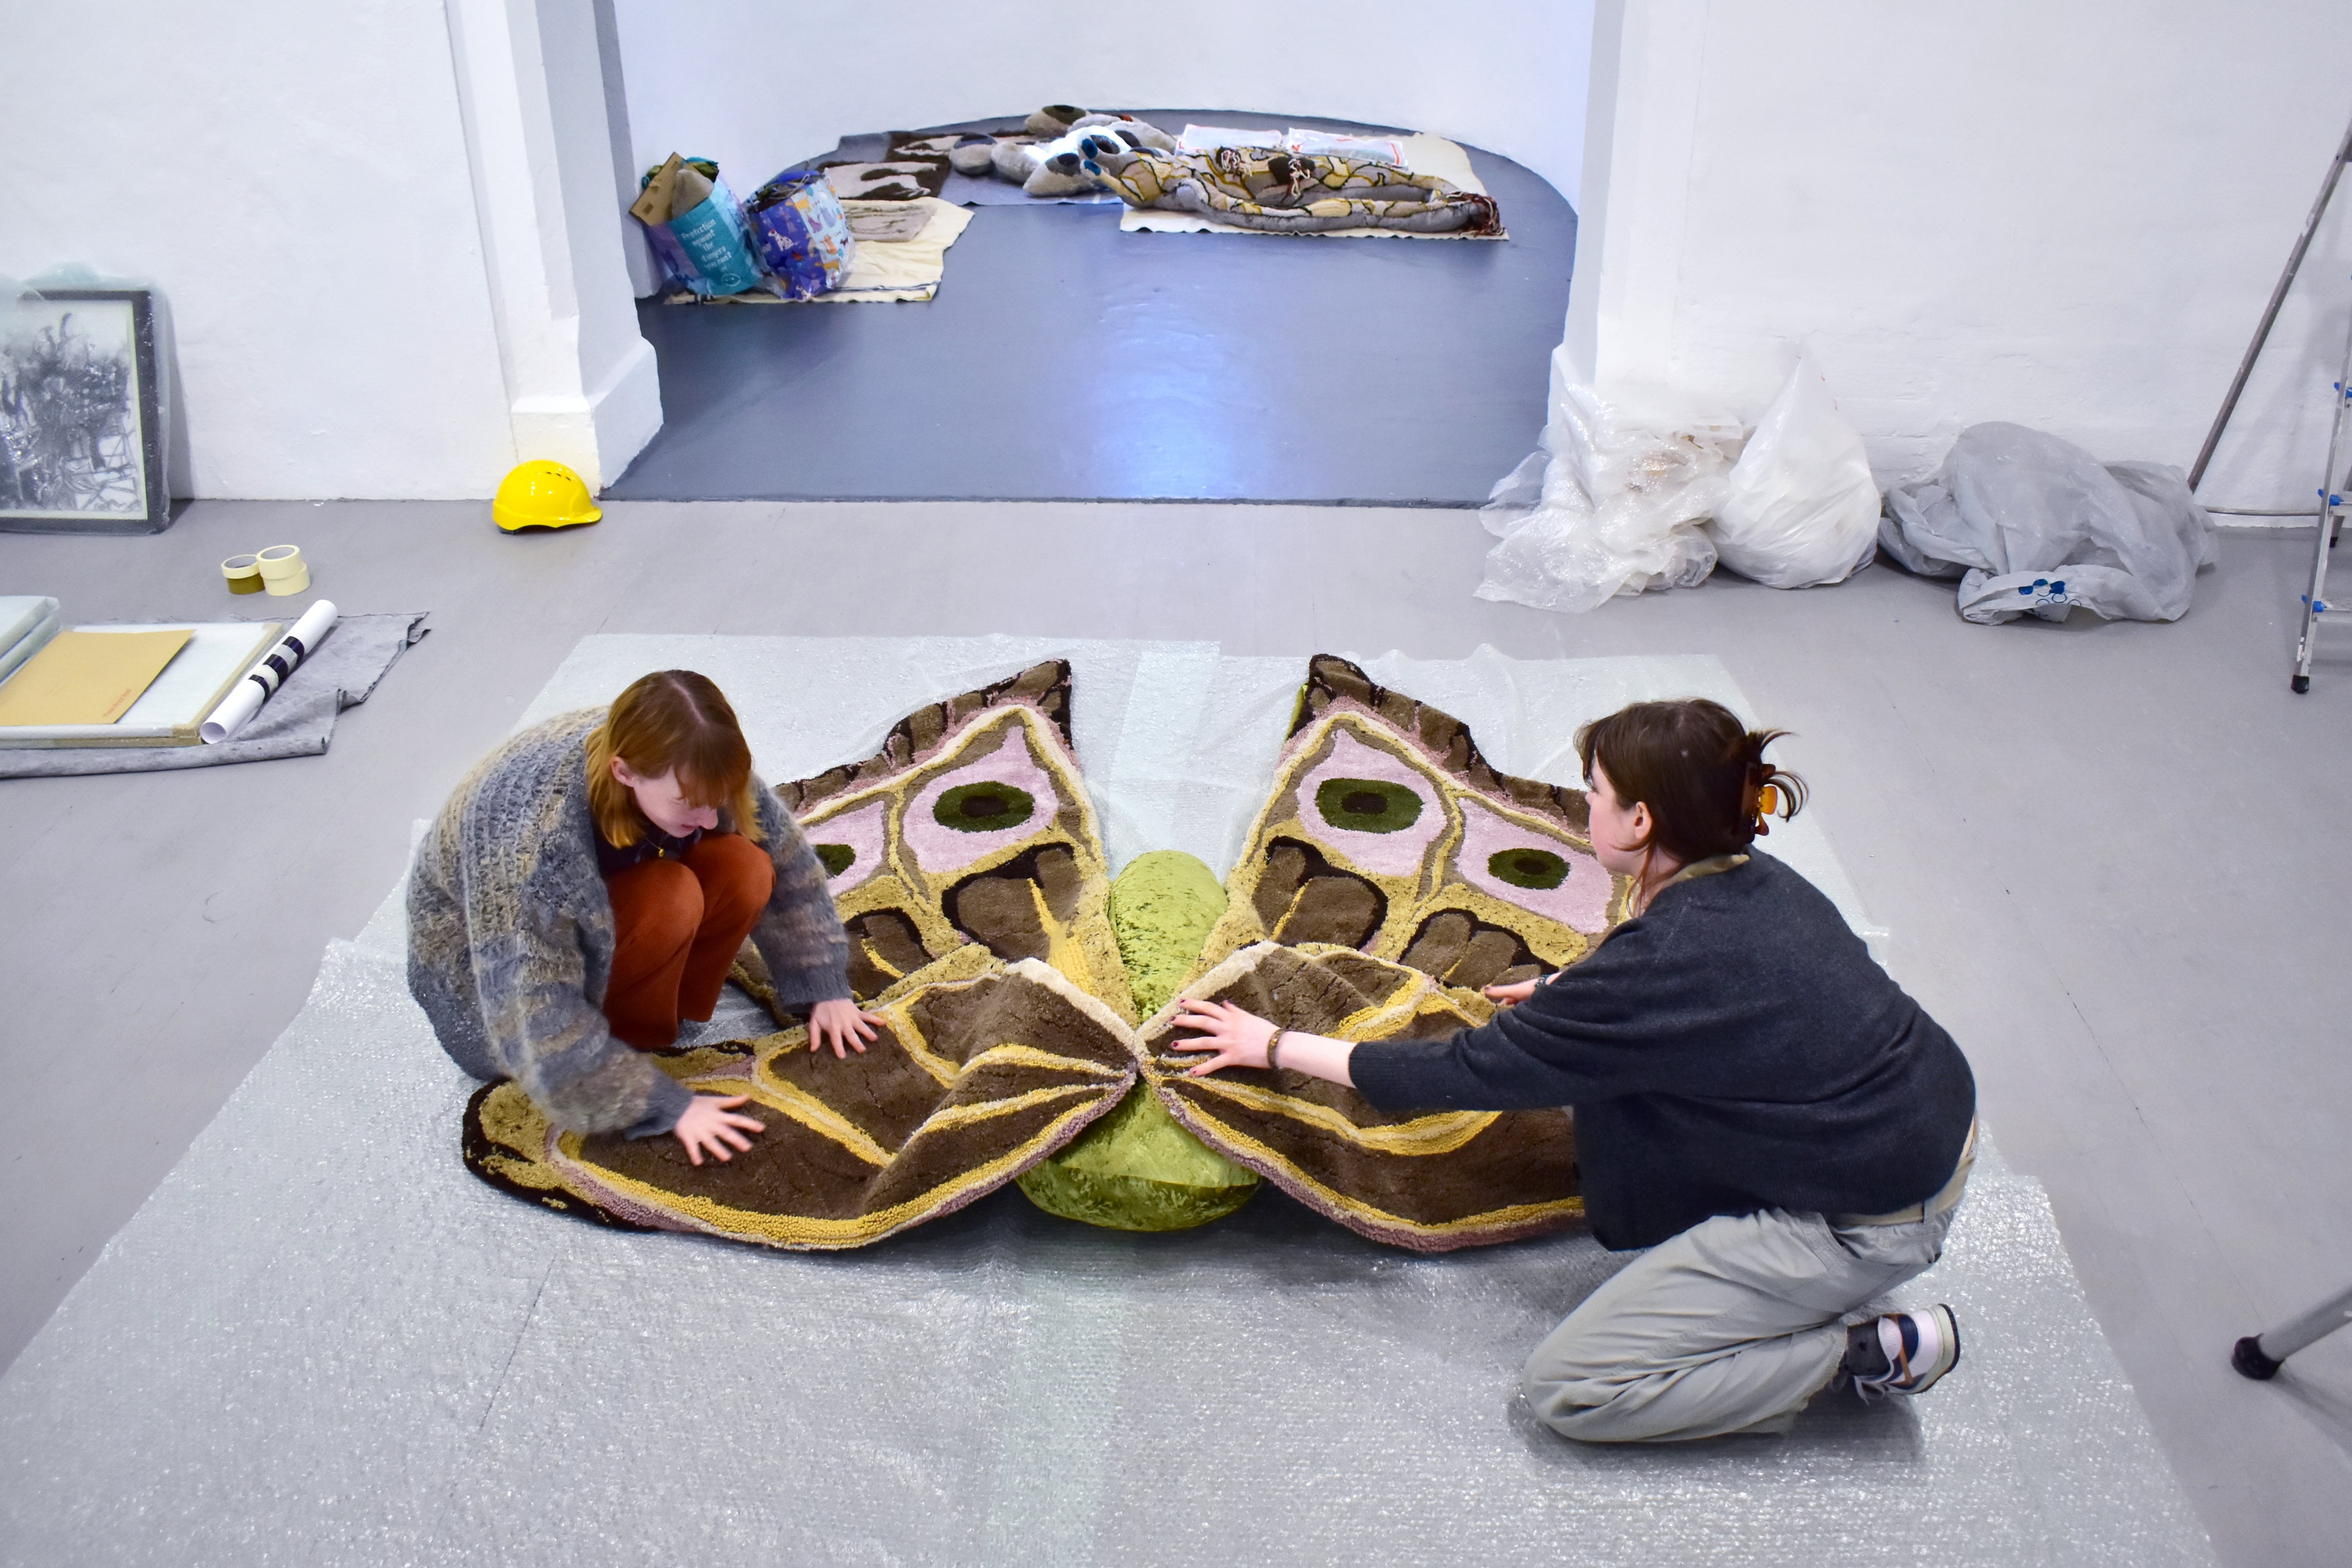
709, 1122
1512, 995
843, 1026
1238, 1038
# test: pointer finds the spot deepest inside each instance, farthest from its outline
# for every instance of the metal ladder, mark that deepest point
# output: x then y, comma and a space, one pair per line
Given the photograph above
2331, 488
2331, 519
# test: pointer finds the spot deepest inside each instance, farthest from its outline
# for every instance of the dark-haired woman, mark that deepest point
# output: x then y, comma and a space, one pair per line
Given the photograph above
584, 893
1757, 1104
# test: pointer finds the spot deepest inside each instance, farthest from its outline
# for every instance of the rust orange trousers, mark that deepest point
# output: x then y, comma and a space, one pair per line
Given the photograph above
678, 925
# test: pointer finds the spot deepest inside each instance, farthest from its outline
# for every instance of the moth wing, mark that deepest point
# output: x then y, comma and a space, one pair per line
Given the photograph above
970, 825
979, 1069
1432, 1181
1387, 831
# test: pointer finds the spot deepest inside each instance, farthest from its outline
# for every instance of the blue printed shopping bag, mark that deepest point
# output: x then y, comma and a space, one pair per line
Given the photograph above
802, 237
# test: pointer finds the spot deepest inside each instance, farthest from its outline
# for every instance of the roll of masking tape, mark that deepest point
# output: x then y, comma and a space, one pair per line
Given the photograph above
283, 570
244, 573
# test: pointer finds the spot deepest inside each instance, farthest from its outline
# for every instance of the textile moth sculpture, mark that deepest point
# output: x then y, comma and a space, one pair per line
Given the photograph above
1289, 192
1391, 873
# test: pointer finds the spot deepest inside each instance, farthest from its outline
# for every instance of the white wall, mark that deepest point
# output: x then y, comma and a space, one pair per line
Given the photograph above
2065, 215
296, 179
758, 88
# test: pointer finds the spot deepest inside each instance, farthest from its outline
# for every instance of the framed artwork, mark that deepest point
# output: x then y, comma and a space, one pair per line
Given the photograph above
81, 417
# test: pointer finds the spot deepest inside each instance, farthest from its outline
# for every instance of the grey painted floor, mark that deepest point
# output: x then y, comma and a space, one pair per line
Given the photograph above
2109, 858
1212, 367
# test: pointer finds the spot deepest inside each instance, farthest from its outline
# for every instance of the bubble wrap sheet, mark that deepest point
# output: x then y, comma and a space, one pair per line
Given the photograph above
321, 1342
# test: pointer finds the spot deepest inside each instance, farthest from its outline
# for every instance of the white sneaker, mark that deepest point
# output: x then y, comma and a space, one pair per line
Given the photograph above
1920, 1347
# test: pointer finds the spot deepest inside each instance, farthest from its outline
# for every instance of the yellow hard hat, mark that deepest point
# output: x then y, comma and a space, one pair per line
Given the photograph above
543, 495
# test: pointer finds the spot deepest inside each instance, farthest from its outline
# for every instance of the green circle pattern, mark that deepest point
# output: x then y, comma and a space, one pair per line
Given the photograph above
985, 807
1367, 805
1539, 870
834, 858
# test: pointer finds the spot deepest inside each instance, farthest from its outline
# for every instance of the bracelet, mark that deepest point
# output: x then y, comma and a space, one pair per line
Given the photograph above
1273, 1044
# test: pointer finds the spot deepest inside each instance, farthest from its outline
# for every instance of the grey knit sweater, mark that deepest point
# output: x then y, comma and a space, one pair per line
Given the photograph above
510, 934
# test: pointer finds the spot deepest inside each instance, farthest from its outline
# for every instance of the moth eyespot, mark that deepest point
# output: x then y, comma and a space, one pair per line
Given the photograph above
1367, 805
985, 807
834, 858
1539, 870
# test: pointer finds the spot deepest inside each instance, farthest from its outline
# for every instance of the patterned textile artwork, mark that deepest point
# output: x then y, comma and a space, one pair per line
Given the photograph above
1391, 873
1288, 193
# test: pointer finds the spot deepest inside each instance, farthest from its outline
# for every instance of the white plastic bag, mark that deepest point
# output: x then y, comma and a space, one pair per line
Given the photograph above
1613, 505
1799, 509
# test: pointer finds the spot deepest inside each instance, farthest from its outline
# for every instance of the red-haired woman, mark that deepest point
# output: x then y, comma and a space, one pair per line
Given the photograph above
586, 888
1756, 1101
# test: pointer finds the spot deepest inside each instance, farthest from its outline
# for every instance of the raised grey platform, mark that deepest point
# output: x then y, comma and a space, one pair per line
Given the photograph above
1064, 359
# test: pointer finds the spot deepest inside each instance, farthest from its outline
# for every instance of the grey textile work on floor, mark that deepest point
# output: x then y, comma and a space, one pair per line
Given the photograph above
1064, 358
964, 190
298, 721
321, 1340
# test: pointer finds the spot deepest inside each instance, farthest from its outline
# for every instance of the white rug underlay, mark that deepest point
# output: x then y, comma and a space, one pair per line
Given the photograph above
1424, 154
321, 1340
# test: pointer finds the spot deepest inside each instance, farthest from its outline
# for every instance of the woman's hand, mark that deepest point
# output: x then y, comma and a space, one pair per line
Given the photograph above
843, 1024
1238, 1038
1512, 995
709, 1122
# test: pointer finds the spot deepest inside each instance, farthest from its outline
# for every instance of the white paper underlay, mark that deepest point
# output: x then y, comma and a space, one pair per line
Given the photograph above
1424, 154
905, 269
1176, 740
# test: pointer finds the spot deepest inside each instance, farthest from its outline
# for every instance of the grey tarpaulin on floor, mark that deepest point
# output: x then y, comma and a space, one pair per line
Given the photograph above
298, 721
321, 1340
2033, 526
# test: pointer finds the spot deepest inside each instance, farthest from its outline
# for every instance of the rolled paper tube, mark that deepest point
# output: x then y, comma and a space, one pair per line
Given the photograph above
283, 570
244, 573
286, 653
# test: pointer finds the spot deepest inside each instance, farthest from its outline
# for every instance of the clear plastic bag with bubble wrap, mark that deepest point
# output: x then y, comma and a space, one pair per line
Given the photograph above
1801, 510
2033, 526
1613, 504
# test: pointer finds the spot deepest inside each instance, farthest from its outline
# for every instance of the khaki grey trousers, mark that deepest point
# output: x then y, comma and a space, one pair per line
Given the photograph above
1732, 1326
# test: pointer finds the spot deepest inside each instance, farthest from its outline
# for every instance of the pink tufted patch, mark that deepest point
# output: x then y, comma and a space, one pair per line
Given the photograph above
1581, 903
939, 849
861, 830
1397, 854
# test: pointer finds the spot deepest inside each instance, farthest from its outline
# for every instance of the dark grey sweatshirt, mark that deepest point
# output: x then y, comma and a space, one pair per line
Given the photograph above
1734, 1048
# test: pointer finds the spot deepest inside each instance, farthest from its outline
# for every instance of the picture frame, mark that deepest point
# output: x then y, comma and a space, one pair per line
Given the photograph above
84, 421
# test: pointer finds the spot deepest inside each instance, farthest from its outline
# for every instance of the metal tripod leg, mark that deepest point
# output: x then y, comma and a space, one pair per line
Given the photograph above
2315, 603
2260, 1355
